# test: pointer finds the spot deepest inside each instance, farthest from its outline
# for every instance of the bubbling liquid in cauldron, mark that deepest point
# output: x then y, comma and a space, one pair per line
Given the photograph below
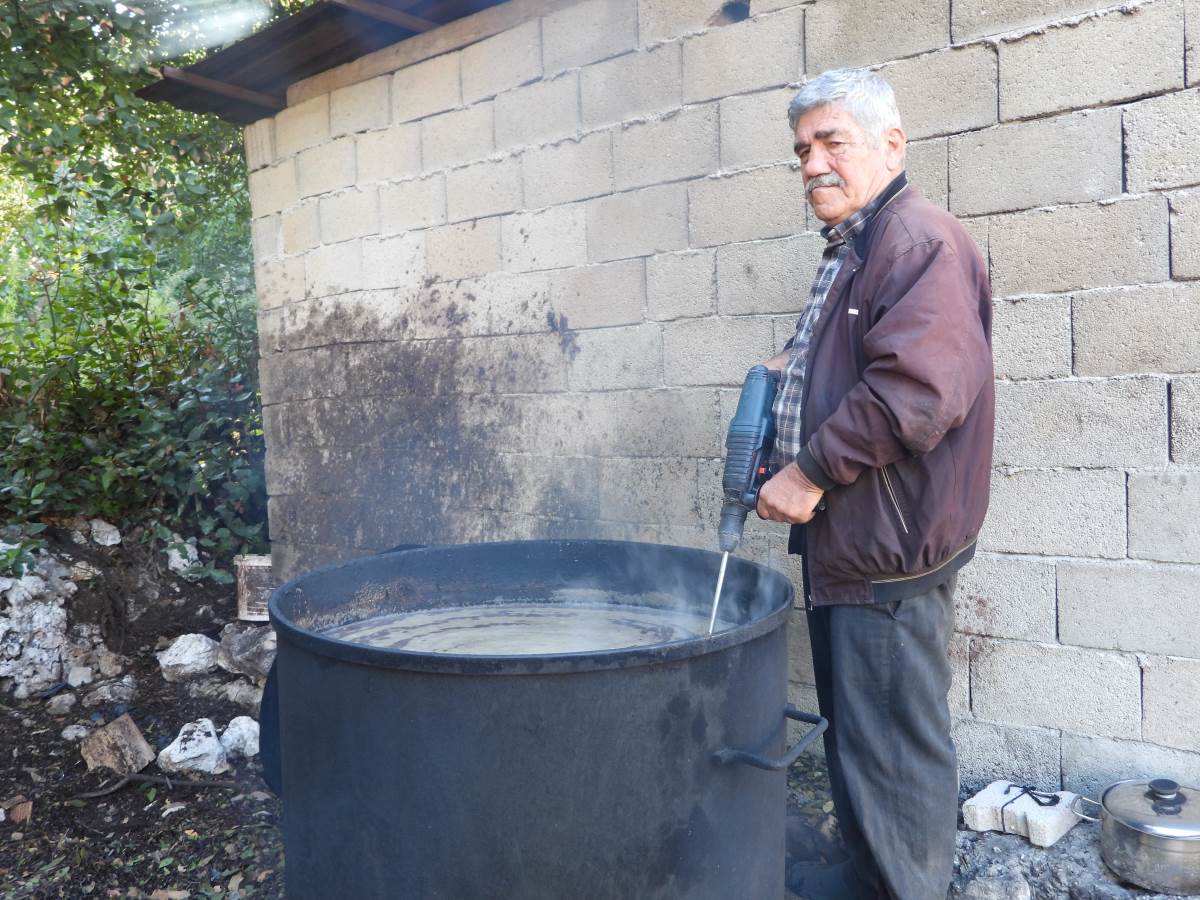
524, 629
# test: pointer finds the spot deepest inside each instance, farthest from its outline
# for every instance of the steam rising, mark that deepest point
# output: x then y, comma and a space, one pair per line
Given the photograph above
183, 28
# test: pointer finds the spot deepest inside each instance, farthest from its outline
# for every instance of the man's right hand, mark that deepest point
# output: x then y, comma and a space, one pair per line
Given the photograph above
779, 362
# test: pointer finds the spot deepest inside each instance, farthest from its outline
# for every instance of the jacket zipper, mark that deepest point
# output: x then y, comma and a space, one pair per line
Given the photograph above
887, 482
953, 556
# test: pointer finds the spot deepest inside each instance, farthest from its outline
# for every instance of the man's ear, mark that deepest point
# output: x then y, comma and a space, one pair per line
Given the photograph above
894, 143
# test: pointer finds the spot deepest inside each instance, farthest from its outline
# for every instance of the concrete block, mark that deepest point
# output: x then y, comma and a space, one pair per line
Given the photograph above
1094, 246
979, 230
1159, 137
463, 250
539, 112
926, 113
927, 166
394, 262
613, 358
447, 309
1086, 148
1003, 806
1164, 516
754, 129
1087, 691
1191, 16
1090, 764
302, 126
1149, 607
1158, 324
1059, 67
258, 141
273, 189
1084, 423
1185, 231
1031, 338
662, 20
629, 86
1008, 597
549, 239
958, 651
599, 296
300, 227
428, 87
1170, 687
349, 214
975, 18
519, 302
265, 239
715, 351
457, 137
763, 203
333, 269
767, 276
483, 189
840, 33
681, 285
987, 750
800, 664
360, 107
649, 491
303, 374
758, 53
279, 281
502, 61
679, 145
419, 203
1185, 420
389, 153
1064, 513
567, 171
587, 32
631, 423
637, 223
327, 167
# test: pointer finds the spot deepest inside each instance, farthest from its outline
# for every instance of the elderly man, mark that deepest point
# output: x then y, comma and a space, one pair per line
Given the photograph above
884, 418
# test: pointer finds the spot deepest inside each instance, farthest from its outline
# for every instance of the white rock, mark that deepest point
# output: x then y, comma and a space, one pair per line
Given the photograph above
104, 534
189, 655
33, 627
83, 570
61, 704
181, 557
240, 737
110, 664
79, 675
114, 692
75, 733
1001, 807
196, 749
244, 693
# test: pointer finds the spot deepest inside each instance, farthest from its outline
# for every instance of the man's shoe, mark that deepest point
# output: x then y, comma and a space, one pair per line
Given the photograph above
818, 881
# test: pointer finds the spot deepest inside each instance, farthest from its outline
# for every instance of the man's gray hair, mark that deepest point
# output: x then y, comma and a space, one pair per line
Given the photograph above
863, 94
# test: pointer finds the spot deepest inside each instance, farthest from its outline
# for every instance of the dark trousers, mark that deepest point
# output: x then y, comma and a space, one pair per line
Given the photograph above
883, 675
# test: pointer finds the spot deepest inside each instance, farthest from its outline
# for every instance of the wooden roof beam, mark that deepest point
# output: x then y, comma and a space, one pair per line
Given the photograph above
224, 89
387, 14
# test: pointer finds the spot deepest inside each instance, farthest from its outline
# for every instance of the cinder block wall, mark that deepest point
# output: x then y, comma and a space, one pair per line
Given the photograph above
512, 272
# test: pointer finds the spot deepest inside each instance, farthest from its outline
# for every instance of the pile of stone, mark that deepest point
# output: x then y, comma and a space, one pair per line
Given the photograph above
245, 651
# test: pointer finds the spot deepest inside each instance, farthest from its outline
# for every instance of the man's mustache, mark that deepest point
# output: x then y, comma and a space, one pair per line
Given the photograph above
829, 179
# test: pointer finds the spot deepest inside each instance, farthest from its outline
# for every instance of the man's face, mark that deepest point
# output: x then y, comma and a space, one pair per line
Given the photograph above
843, 172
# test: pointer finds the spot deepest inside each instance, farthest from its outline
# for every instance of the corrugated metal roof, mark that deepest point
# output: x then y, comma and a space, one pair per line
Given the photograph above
248, 80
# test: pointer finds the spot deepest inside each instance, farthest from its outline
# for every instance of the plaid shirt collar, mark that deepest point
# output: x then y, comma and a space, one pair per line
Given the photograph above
844, 231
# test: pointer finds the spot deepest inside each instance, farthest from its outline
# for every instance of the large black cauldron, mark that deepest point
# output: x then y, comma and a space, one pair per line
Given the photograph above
652, 772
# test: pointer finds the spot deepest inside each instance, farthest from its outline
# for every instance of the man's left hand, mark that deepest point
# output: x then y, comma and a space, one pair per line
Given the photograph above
789, 497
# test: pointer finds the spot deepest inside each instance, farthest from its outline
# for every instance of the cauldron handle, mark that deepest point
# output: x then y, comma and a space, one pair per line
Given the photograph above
729, 755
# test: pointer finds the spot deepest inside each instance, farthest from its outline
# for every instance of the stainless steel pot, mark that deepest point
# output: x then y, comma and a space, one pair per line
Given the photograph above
1150, 833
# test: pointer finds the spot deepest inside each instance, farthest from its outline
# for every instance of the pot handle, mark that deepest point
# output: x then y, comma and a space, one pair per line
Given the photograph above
729, 755
1075, 807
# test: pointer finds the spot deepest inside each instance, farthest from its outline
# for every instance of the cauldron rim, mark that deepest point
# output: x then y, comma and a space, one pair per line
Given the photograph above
321, 644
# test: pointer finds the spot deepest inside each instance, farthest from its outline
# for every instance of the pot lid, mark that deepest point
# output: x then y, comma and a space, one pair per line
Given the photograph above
1160, 807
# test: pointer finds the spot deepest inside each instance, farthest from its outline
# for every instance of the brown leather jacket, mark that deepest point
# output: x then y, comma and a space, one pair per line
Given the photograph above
899, 409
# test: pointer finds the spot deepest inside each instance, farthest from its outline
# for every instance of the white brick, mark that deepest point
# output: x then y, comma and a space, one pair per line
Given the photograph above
394, 262
1185, 232
680, 145
1185, 420
767, 276
1117, 56
501, 62
680, 285
569, 170
483, 189
662, 20
1067, 513
301, 126
763, 203
1160, 141
985, 749
637, 223
1051, 686
1003, 806
840, 33
1149, 607
751, 55
349, 214
536, 113
549, 239
457, 137
329, 167
300, 227
428, 87
412, 204
360, 107
1164, 515
1158, 325
258, 140
1093, 422
754, 129
613, 358
971, 104
1093, 246
973, 18
1086, 147
598, 296
1031, 338
1089, 764
279, 281
636, 84
390, 153
264, 238
1170, 689
273, 189
927, 166
1007, 596
588, 31
463, 250
334, 269
715, 351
